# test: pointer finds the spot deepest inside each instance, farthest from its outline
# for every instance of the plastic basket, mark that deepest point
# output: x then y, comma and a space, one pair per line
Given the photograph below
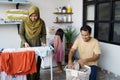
83, 74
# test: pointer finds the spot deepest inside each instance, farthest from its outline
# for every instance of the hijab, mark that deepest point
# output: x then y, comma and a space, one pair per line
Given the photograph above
33, 28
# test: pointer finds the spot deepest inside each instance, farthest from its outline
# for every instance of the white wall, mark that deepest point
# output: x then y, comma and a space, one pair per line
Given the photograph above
77, 17
8, 33
9, 36
110, 57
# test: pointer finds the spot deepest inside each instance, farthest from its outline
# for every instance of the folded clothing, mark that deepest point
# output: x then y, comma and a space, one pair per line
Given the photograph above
17, 11
16, 17
16, 14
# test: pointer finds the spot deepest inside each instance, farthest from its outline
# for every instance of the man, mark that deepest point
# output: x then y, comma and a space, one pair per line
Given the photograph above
89, 51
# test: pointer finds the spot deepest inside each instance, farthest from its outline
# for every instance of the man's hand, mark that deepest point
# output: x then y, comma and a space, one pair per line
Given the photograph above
70, 65
82, 62
71, 53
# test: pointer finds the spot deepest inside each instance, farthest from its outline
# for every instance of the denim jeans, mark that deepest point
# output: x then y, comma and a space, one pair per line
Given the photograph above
93, 74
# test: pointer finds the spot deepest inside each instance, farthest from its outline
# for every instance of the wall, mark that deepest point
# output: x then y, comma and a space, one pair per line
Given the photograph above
77, 13
9, 37
110, 58
110, 53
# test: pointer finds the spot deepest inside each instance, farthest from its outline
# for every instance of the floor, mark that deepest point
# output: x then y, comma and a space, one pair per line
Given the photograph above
102, 75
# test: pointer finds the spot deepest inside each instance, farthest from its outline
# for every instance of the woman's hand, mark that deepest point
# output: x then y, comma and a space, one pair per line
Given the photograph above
26, 45
43, 44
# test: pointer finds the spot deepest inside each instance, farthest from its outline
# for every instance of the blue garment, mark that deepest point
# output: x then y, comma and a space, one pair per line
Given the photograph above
1, 49
93, 74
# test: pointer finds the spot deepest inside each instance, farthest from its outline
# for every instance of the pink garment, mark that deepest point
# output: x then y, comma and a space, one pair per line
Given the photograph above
59, 55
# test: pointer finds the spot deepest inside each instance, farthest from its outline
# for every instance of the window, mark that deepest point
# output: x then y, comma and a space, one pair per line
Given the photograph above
104, 15
88, 0
90, 10
104, 11
117, 10
116, 34
103, 32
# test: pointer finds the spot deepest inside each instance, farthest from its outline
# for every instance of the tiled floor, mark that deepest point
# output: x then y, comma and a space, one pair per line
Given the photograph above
105, 75
102, 75
45, 75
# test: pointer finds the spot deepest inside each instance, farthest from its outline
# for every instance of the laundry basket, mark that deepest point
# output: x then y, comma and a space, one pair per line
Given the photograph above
82, 74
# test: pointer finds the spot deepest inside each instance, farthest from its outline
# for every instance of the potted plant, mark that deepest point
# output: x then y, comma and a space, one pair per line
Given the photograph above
70, 35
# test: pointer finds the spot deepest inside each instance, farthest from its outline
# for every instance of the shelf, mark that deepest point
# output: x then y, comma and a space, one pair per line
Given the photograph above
65, 18
10, 22
62, 22
61, 13
16, 3
17, 7
11, 2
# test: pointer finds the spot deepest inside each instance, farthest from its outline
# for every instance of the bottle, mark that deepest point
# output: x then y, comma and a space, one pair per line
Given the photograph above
64, 9
57, 20
59, 9
69, 18
64, 17
69, 9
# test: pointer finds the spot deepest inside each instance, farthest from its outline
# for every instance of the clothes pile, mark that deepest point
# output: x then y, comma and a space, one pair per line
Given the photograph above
16, 14
78, 72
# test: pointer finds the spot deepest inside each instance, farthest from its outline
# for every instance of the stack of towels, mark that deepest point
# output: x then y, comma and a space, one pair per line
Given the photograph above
16, 14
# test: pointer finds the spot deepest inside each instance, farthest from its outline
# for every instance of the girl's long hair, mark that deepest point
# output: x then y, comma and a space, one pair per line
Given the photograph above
60, 33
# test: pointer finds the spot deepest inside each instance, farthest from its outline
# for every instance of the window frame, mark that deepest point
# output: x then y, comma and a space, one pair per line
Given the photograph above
96, 22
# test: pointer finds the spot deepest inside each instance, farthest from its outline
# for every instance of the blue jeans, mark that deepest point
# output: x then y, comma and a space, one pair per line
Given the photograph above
93, 74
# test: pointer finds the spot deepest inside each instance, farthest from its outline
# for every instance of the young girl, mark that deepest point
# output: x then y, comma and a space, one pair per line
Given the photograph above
58, 49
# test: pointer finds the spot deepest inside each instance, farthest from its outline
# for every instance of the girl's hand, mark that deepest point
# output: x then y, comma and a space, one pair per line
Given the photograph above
55, 52
26, 45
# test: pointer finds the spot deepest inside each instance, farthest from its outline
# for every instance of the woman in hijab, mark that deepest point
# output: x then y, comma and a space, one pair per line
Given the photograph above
33, 33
